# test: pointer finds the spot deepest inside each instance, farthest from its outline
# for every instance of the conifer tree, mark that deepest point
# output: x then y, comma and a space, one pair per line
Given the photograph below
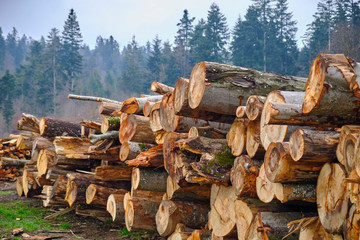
7, 90
2, 51
198, 43
155, 60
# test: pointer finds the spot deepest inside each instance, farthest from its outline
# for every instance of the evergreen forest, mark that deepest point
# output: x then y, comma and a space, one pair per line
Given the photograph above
36, 75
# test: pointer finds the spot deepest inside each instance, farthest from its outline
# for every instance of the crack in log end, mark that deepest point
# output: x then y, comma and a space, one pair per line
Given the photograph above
240, 100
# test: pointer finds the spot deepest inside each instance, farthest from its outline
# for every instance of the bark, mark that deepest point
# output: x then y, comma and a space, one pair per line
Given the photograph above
169, 153
29, 123
222, 213
136, 128
243, 176
254, 148
313, 146
332, 88
5, 161
107, 108
232, 86
332, 197
187, 191
345, 130
115, 206
113, 173
280, 167
98, 213
236, 137
110, 124
55, 127
94, 138
170, 213
295, 191
97, 195
59, 188
136, 105
151, 158
160, 88
130, 150
254, 107
148, 179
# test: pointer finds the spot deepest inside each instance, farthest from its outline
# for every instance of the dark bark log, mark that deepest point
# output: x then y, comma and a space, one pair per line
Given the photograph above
115, 206
149, 179
55, 127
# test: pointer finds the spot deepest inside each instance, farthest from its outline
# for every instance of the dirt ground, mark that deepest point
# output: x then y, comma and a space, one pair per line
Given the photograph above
81, 227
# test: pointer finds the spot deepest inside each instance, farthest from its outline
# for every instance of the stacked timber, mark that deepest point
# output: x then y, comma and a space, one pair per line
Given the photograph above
228, 153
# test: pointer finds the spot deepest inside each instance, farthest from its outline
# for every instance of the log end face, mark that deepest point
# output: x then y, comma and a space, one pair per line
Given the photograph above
129, 215
90, 193
127, 129
124, 151
349, 152
135, 178
297, 144
42, 126
272, 160
253, 108
130, 106
197, 85
264, 187
181, 94
164, 218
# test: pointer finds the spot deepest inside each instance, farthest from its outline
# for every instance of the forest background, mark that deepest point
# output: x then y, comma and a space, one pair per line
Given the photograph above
37, 75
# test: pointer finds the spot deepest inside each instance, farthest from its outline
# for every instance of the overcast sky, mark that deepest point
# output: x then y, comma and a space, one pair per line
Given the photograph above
124, 18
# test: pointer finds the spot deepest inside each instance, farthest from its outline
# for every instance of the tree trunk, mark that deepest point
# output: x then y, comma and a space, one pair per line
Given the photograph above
115, 206
295, 191
313, 146
332, 197
280, 167
254, 148
136, 105
332, 88
254, 107
98, 195
160, 88
170, 213
50, 127
130, 150
187, 191
232, 86
110, 123
182, 108
107, 108
151, 158
345, 130
76, 187
136, 128
208, 132
236, 137
29, 123
222, 214
243, 176
113, 173
148, 179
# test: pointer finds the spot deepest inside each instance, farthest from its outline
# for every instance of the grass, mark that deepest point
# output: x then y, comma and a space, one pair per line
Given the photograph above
6, 193
137, 235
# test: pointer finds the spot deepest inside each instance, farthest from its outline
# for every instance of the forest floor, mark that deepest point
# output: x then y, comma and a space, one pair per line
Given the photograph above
20, 212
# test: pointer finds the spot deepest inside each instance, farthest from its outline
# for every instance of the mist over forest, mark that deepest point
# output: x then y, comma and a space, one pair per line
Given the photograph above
36, 75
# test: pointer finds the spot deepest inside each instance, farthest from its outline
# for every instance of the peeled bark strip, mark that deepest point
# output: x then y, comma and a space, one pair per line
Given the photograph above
313, 146
253, 144
222, 214
243, 176
277, 133
295, 191
136, 105
254, 107
208, 132
136, 128
29, 123
50, 127
110, 123
140, 214
98, 195
281, 168
349, 151
148, 179
107, 108
236, 137
113, 173
91, 124
332, 197
115, 206
130, 150
332, 88
187, 191
264, 187
151, 158
345, 130
160, 88
182, 108
170, 213
168, 151
232, 86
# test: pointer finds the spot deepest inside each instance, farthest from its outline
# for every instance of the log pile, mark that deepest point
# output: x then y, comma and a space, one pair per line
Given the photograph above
228, 153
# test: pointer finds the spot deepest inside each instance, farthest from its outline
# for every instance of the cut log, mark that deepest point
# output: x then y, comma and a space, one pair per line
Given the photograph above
46, 159
94, 138
187, 191
147, 108
154, 118
345, 130
353, 187
332, 197
110, 124
72, 147
107, 108
243, 176
25, 141
151, 158
285, 192
332, 88
136, 105
232, 86
98, 213
315, 231
182, 108
98, 195
130, 150
254, 107
91, 124
140, 214
349, 151
29, 123
254, 148
136, 128
148, 179
19, 187
264, 187
352, 225
277, 133
76, 187
160, 137
222, 214
170, 213
115, 206
113, 173
160, 88
29, 184
281, 168
236, 137
313, 146
50, 127
59, 188
12, 162
91, 98
241, 112
208, 132
169, 153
